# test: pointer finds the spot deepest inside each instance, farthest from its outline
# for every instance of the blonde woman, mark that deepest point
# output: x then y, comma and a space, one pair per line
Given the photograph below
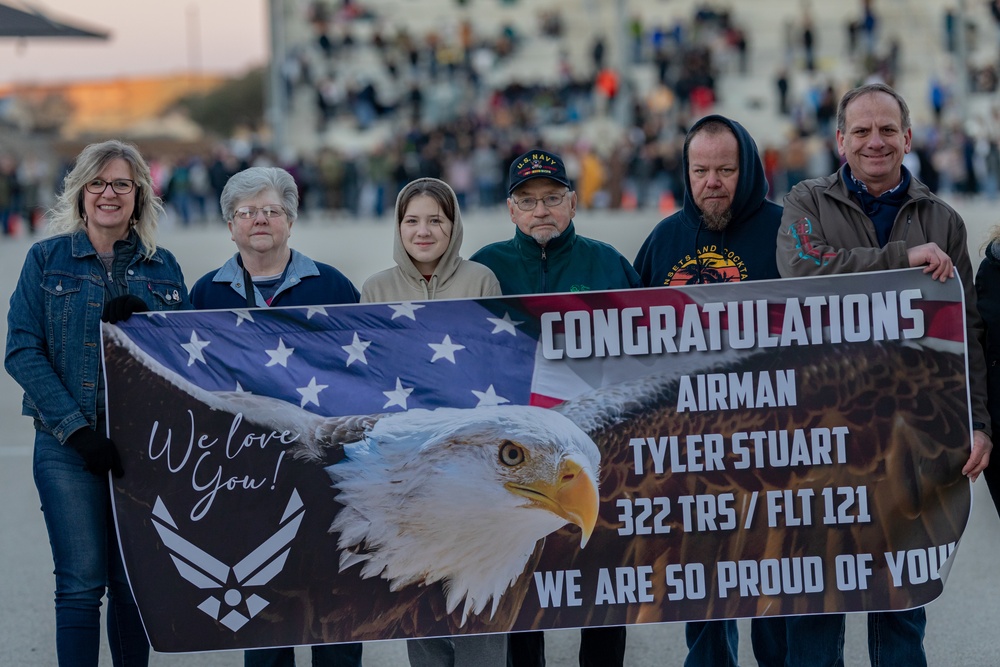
102, 264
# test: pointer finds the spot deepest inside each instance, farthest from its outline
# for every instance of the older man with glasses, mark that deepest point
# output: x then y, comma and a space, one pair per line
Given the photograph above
547, 255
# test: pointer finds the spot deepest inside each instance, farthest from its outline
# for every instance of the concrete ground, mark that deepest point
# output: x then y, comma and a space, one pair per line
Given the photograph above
961, 628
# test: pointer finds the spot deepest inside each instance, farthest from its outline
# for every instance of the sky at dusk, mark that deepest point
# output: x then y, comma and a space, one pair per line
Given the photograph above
146, 37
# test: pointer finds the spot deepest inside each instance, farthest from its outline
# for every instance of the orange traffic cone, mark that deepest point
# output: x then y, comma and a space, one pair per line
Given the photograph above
667, 203
629, 201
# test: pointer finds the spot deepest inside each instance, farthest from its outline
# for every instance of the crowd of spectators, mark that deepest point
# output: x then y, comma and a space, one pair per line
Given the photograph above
449, 121
467, 135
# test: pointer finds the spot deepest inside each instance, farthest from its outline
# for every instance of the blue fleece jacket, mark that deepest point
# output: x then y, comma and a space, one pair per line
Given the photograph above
306, 283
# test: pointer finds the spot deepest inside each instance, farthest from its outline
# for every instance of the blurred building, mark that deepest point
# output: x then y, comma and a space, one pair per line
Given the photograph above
121, 106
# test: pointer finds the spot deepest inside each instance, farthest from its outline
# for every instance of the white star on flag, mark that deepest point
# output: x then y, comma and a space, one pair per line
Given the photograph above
405, 309
356, 350
488, 398
243, 314
398, 395
315, 310
505, 324
445, 349
310, 393
240, 389
194, 349
279, 355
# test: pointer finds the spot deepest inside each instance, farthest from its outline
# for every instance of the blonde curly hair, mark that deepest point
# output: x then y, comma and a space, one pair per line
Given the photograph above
67, 214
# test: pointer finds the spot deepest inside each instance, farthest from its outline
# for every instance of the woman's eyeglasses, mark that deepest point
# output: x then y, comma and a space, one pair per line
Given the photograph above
250, 212
121, 186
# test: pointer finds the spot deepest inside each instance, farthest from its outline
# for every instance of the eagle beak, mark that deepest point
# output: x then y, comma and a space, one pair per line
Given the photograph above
576, 494
572, 495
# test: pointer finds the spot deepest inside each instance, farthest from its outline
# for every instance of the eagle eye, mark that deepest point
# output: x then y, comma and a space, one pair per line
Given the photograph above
511, 454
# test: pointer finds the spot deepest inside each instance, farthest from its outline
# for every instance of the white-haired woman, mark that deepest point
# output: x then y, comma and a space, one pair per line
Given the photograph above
260, 205
102, 263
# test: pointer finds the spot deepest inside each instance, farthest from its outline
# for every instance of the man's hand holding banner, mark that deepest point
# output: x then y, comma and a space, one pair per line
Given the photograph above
316, 475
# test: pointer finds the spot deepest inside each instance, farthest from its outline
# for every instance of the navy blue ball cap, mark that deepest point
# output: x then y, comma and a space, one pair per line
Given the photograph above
536, 164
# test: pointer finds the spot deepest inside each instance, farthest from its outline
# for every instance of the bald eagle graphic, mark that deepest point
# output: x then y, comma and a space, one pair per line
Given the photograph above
461, 497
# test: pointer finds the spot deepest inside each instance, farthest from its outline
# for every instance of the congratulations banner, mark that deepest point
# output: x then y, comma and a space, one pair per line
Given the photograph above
328, 474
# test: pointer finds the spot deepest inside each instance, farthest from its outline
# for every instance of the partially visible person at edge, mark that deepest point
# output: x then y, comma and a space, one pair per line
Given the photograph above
725, 232
988, 301
870, 215
260, 205
427, 239
102, 264
547, 255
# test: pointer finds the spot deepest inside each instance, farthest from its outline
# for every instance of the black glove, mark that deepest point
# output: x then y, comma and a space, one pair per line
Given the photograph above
98, 452
121, 308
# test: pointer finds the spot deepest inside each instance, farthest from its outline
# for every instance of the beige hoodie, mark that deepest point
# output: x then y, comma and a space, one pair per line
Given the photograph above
453, 278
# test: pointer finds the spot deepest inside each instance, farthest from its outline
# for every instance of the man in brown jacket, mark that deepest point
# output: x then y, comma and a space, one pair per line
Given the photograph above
872, 215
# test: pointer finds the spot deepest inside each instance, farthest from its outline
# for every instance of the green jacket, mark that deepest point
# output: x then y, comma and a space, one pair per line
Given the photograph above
567, 263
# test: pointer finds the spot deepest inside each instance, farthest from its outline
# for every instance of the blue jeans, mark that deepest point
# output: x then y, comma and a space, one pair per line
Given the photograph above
77, 510
897, 638
716, 643
810, 641
332, 655
894, 638
712, 644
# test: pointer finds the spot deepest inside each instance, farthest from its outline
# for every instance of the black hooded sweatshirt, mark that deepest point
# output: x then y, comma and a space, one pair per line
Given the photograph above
682, 251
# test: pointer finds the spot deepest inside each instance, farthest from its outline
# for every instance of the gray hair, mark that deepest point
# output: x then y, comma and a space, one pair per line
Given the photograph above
868, 89
254, 180
67, 214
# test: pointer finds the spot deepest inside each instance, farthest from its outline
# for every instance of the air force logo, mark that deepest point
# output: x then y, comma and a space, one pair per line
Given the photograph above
235, 608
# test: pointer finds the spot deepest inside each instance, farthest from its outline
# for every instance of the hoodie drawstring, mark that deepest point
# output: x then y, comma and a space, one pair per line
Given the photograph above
697, 254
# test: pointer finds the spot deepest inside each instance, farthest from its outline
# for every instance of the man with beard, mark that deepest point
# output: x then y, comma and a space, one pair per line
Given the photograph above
726, 230
546, 255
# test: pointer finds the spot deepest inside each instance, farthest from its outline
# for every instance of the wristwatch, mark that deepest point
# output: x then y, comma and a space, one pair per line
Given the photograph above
978, 426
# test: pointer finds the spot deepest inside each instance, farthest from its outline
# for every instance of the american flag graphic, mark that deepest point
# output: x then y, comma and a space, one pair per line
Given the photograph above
345, 360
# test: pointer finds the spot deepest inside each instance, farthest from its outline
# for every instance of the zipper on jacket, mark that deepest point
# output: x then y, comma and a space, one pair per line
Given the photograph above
545, 271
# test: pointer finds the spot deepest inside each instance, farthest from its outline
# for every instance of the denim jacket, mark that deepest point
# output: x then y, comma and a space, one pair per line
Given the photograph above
54, 325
